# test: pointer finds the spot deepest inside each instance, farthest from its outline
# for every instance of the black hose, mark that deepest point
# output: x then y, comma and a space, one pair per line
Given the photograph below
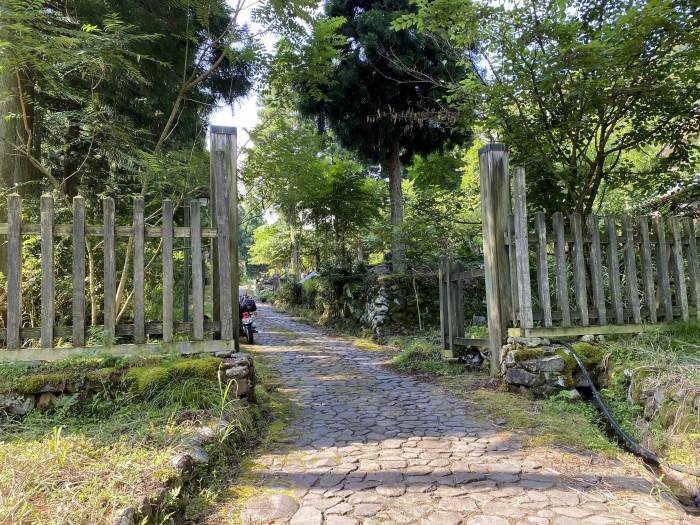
626, 439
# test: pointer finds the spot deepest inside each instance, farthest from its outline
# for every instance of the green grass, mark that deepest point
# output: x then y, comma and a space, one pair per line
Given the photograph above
91, 458
554, 421
220, 496
371, 346
422, 355
666, 359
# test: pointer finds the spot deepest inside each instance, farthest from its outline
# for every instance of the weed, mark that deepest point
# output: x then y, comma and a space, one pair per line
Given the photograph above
422, 355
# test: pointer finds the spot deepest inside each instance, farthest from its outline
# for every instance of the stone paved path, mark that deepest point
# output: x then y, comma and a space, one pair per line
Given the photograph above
371, 447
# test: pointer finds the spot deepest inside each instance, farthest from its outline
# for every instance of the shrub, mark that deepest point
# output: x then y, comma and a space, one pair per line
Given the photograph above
290, 293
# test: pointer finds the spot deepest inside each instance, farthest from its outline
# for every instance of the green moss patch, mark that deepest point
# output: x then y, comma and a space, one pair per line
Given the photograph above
34, 383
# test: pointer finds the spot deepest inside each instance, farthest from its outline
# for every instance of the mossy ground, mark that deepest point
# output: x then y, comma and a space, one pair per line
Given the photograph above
93, 457
555, 421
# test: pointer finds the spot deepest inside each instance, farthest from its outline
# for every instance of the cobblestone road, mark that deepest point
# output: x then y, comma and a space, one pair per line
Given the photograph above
370, 446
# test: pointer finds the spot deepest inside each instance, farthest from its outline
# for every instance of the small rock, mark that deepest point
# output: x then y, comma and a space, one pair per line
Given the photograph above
391, 491
530, 342
336, 519
199, 455
183, 463
571, 395
588, 338
16, 404
518, 376
207, 434
236, 372
47, 401
486, 520
550, 363
268, 508
307, 516
445, 518
367, 510
124, 517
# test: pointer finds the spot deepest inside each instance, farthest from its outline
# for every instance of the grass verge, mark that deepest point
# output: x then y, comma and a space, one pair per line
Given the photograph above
231, 479
90, 458
654, 389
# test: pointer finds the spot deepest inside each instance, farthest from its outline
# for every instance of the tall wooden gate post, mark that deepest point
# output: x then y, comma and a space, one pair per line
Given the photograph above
224, 210
495, 208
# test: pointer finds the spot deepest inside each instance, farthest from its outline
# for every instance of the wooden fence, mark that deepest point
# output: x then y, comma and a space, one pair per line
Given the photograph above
222, 232
451, 278
566, 276
625, 271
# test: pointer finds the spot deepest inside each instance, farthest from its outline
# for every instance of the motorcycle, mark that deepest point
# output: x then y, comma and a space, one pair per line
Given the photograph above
247, 309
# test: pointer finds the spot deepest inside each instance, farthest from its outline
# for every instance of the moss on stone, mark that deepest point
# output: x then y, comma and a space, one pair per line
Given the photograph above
204, 368
33, 384
591, 355
101, 376
528, 354
146, 379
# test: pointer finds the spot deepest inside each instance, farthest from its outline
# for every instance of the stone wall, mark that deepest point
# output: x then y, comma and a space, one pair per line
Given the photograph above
542, 368
43, 391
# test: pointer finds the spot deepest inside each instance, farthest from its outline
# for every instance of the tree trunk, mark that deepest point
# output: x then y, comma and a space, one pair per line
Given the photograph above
14, 167
360, 250
394, 170
294, 237
71, 161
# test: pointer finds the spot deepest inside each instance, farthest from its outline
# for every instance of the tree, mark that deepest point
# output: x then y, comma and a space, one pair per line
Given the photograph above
314, 185
374, 107
112, 98
576, 89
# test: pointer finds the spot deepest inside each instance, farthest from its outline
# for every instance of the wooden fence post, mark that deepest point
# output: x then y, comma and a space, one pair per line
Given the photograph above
78, 271
48, 278
138, 261
168, 283
14, 271
110, 269
495, 208
197, 273
522, 255
224, 206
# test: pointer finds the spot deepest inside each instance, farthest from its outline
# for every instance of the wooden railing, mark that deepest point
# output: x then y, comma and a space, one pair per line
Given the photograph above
222, 231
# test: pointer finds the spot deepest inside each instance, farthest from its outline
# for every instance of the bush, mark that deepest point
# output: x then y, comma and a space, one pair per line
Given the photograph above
289, 294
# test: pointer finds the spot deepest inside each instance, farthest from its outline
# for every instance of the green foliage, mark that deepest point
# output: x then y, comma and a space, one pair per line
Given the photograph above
421, 355
289, 294
577, 89
369, 84
270, 245
657, 404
